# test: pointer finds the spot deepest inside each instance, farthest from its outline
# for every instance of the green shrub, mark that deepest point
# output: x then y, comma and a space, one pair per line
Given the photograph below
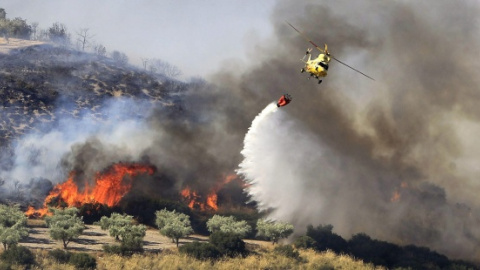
121, 250
228, 244
5, 266
287, 251
18, 254
83, 260
200, 251
304, 242
113, 249
60, 255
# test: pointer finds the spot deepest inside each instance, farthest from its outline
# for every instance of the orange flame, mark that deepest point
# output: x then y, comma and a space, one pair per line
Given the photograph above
396, 196
212, 201
194, 200
110, 186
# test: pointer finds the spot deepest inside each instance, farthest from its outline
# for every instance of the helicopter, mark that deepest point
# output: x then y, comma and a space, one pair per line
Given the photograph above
318, 67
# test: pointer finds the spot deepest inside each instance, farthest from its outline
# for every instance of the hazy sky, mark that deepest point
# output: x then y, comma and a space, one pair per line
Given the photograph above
194, 35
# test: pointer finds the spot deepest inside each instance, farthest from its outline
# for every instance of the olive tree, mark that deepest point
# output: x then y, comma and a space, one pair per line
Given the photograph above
122, 228
228, 225
115, 224
172, 224
13, 225
65, 225
274, 230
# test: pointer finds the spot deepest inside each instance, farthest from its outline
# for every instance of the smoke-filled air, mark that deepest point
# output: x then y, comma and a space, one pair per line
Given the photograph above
395, 158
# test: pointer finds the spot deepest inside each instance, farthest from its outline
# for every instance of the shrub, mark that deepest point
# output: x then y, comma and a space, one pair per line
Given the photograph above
326, 239
60, 255
121, 250
228, 244
287, 251
304, 242
200, 251
19, 255
5, 266
83, 260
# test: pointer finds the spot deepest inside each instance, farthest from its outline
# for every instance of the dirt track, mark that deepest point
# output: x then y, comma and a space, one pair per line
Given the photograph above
93, 238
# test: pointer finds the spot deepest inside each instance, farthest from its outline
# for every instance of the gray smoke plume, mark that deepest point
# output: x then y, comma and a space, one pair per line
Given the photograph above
394, 158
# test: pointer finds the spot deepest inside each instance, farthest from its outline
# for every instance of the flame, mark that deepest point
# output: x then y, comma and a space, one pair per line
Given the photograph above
195, 201
396, 196
192, 199
212, 201
110, 186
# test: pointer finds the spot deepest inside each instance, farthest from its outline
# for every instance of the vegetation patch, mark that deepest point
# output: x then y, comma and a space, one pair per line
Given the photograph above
18, 255
200, 251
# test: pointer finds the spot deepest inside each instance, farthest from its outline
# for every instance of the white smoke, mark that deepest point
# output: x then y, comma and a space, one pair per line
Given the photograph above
46, 155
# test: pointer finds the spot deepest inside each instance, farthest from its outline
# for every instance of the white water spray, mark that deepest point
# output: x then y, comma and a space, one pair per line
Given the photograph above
281, 158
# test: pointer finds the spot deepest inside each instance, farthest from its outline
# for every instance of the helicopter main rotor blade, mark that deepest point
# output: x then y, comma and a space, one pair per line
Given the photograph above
305, 37
318, 48
352, 68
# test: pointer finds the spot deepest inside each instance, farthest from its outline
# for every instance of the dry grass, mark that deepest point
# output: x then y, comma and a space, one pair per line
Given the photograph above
265, 259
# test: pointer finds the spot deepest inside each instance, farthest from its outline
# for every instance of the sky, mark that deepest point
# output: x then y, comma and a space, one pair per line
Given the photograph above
198, 37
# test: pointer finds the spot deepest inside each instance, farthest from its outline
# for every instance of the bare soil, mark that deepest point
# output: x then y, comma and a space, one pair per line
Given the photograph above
93, 239
14, 43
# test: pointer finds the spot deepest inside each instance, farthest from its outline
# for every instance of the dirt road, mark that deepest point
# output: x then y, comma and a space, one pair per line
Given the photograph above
93, 239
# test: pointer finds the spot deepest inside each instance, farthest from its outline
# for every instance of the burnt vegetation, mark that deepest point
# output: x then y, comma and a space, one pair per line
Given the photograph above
43, 83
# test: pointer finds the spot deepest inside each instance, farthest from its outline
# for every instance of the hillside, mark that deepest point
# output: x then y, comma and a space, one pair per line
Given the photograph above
41, 83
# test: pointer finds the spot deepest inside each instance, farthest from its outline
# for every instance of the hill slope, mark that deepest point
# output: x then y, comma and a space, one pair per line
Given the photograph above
42, 83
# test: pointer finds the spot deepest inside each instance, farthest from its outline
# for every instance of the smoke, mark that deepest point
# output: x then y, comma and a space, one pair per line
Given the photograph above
393, 158
83, 144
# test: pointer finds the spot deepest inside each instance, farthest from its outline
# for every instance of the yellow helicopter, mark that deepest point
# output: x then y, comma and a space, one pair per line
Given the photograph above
318, 67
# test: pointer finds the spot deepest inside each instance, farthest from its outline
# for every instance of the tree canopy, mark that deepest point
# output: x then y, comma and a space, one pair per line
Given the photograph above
274, 230
122, 228
65, 225
115, 224
13, 225
174, 225
228, 225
